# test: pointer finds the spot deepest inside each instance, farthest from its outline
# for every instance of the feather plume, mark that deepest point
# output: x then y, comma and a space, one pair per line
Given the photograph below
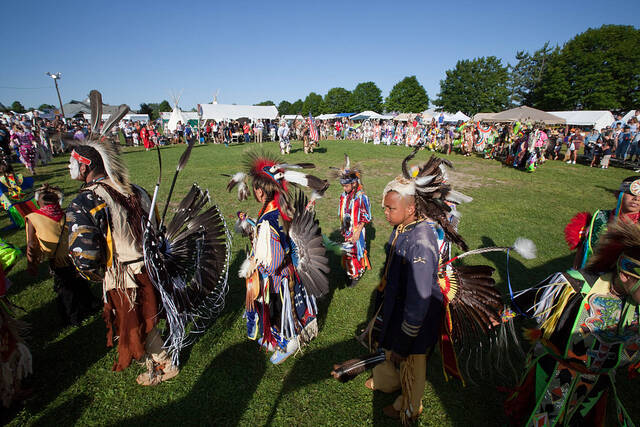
347, 162
525, 247
113, 164
457, 197
95, 100
576, 230
185, 156
405, 168
114, 119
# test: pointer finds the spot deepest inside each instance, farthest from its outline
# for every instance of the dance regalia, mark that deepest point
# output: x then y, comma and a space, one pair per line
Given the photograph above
47, 239
285, 271
583, 333
16, 197
26, 149
413, 315
283, 313
176, 270
353, 211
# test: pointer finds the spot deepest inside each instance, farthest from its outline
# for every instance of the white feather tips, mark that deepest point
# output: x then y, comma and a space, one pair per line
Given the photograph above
525, 247
457, 197
296, 177
239, 177
424, 180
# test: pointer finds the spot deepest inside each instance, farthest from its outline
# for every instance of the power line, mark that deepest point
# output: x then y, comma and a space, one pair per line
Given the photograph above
25, 88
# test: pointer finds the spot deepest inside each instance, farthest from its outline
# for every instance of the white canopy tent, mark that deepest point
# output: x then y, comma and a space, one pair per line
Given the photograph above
134, 117
292, 117
597, 119
447, 117
326, 116
367, 115
232, 112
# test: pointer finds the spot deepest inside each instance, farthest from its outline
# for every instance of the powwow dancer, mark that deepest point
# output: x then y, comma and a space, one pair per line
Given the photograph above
286, 268
16, 194
586, 326
422, 300
283, 136
47, 239
354, 213
584, 230
110, 221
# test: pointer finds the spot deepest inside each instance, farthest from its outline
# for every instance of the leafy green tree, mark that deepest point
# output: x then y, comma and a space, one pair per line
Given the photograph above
264, 103
312, 104
475, 85
164, 106
43, 107
527, 73
17, 107
146, 109
284, 108
600, 67
336, 101
366, 96
296, 107
407, 96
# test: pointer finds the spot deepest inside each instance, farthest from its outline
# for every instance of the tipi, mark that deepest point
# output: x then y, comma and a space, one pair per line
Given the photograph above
176, 115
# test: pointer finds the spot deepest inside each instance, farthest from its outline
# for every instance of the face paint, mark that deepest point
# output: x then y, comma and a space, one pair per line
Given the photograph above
74, 168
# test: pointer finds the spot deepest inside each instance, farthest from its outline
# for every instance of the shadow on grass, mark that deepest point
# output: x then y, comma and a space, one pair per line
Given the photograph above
234, 303
313, 367
219, 397
59, 364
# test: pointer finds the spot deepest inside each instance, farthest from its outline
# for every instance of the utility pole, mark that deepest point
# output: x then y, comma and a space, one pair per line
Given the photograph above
55, 78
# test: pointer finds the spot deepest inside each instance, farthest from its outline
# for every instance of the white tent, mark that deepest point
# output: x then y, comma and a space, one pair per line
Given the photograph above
459, 116
232, 112
134, 117
367, 115
292, 117
597, 119
326, 116
447, 117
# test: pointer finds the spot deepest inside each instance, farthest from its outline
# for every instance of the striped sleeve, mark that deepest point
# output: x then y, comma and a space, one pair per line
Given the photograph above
277, 255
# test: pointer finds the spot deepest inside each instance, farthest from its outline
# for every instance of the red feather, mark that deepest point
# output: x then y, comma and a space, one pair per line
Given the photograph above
575, 231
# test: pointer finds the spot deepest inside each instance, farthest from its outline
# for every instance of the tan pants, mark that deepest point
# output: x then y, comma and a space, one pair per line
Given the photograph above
387, 379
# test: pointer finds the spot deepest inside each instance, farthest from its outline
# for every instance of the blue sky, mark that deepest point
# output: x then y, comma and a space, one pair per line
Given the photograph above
137, 52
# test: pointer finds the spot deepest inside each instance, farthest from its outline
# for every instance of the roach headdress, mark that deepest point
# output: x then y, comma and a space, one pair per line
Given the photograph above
269, 173
434, 196
348, 173
98, 151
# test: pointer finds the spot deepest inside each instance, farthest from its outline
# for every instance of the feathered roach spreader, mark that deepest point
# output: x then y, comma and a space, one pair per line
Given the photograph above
187, 260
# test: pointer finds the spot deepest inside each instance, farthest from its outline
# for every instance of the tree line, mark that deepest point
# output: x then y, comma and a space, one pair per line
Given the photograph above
408, 95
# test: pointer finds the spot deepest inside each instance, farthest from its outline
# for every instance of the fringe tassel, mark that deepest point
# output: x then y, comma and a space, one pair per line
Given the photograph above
556, 311
406, 381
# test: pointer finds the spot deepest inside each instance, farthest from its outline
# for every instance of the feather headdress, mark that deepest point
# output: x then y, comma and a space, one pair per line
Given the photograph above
348, 173
270, 173
98, 151
428, 183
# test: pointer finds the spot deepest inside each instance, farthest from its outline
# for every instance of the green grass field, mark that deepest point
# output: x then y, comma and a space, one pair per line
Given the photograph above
225, 378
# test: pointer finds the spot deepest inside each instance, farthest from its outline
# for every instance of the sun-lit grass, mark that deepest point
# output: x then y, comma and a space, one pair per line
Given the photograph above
226, 379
